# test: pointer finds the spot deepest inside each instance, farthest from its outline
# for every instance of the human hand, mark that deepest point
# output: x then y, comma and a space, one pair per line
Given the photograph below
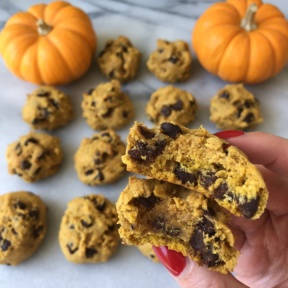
263, 243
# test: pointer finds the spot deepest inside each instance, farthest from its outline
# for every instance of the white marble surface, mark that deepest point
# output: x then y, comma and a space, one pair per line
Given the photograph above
143, 22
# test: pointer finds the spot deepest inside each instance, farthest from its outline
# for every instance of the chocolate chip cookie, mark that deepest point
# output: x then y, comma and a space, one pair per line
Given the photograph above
34, 156
171, 61
98, 159
165, 214
234, 107
88, 232
199, 161
22, 226
171, 104
147, 250
119, 60
47, 108
106, 106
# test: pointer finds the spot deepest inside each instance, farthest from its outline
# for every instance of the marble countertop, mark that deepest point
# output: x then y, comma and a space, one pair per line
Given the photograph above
143, 22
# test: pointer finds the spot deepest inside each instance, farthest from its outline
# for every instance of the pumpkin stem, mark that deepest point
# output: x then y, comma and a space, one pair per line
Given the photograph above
248, 22
42, 27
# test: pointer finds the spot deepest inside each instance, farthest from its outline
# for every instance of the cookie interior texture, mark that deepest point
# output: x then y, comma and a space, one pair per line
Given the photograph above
22, 226
165, 214
199, 161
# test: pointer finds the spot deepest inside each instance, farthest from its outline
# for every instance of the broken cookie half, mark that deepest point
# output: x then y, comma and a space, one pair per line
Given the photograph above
165, 214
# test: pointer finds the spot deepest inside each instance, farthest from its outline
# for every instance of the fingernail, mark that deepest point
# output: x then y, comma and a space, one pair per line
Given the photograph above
229, 134
174, 261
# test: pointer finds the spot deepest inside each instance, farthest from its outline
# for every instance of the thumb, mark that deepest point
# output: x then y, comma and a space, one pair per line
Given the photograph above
189, 274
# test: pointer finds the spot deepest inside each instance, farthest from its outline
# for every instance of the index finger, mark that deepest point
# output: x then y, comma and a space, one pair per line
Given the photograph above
265, 149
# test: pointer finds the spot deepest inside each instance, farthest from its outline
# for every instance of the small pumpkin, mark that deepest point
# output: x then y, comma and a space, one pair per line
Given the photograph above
49, 44
242, 40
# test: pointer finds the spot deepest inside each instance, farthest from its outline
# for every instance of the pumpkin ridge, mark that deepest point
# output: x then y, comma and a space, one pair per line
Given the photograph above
48, 6
279, 31
61, 56
76, 32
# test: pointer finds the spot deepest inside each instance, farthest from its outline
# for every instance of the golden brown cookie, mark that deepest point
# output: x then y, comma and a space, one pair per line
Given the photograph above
119, 60
171, 61
47, 108
164, 214
88, 232
171, 104
199, 161
234, 107
98, 159
34, 156
22, 226
107, 106
147, 250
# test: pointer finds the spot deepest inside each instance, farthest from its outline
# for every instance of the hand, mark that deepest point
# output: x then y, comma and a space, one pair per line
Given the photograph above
263, 243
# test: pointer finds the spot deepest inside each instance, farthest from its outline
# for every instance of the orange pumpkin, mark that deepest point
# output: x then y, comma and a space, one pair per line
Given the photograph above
242, 40
50, 44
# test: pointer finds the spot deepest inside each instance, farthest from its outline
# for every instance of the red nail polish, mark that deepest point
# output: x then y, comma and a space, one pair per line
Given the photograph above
229, 134
174, 261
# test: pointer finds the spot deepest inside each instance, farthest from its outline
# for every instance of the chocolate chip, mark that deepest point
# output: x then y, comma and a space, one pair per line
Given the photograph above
25, 164
170, 129
89, 172
93, 103
165, 110
71, 227
152, 256
211, 259
218, 166
43, 93
248, 103
31, 140
90, 91
100, 207
220, 191
225, 146
34, 214
207, 179
124, 48
249, 209
160, 51
90, 252
37, 171
107, 137
224, 94
37, 231
206, 226
177, 106
20, 205
70, 248
147, 202
184, 176
159, 223
210, 212
5, 245
18, 146
111, 74
173, 231
249, 118
125, 114
108, 113
54, 103
239, 111
173, 59
148, 134
120, 55
43, 155
86, 224
100, 175
14, 231
197, 240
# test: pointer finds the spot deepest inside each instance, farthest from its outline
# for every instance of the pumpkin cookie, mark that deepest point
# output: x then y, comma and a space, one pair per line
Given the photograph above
147, 250
171, 61
171, 104
98, 159
22, 226
199, 161
119, 60
34, 156
165, 214
88, 232
106, 106
233, 107
47, 108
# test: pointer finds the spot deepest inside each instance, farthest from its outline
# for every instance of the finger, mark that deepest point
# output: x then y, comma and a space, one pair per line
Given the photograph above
262, 148
193, 275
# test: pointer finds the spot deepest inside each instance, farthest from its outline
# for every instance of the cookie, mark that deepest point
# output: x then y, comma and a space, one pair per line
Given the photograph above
98, 159
106, 106
34, 156
171, 104
165, 214
22, 226
88, 232
47, 108
147, 250
199, 161
233, 107
119, 60
171, 61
